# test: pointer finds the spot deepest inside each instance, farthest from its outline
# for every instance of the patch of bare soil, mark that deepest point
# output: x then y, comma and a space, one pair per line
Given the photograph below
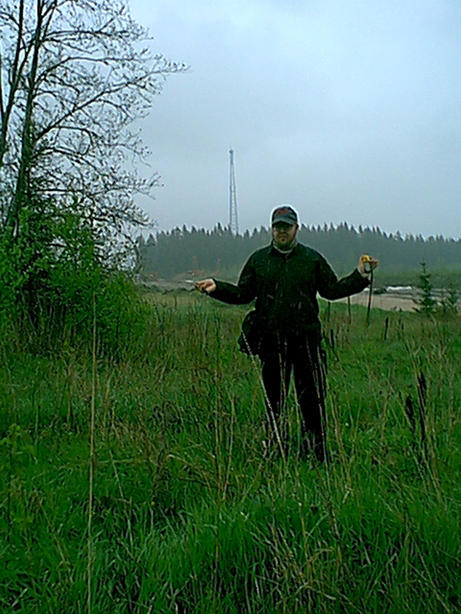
388, 302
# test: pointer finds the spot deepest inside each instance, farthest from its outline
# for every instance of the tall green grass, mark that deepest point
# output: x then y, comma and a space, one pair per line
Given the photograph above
188, 511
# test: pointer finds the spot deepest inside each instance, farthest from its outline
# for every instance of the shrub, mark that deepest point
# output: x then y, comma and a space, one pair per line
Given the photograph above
53, 286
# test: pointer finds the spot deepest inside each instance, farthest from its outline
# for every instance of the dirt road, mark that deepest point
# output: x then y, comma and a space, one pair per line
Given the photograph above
388, 302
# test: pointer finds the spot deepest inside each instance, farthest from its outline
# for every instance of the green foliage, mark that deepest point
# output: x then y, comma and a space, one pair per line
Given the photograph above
53, 288
49, 249
449, 300
442, 303
426, 301
187, 514
66, 195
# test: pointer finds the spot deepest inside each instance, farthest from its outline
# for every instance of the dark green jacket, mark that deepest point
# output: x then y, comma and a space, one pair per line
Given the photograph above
285, 288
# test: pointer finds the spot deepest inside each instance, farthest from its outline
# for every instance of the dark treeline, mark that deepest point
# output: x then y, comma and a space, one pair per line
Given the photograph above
184, 250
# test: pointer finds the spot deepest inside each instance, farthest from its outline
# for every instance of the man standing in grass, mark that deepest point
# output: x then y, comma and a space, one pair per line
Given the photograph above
285, 333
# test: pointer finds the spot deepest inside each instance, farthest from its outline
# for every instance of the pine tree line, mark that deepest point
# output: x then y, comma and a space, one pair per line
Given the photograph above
216, 251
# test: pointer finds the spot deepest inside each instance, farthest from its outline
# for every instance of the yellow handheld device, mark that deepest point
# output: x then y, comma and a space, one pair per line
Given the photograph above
366, 261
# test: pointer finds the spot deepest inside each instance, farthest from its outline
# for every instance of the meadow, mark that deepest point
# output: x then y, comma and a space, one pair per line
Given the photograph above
137, 479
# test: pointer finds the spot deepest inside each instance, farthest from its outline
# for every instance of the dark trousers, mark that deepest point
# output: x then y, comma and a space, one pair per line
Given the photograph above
303, 356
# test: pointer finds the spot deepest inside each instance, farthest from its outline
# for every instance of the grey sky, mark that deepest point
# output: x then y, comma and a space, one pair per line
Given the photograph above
349, 110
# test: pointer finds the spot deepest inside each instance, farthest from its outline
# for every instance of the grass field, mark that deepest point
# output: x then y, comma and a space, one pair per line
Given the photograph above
138, 482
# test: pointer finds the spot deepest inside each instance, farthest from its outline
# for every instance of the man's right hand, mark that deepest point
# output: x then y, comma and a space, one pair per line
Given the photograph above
206, 285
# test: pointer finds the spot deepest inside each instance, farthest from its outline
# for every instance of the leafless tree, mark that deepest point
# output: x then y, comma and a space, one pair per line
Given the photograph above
74, 75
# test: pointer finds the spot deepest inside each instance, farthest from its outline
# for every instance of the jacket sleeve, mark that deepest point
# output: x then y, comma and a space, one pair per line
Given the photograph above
243, 292
331, 288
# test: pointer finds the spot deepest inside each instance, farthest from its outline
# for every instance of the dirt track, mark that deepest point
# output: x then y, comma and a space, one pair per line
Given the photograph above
388, 302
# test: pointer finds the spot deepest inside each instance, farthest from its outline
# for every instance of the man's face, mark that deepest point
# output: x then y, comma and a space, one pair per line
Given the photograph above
284, 234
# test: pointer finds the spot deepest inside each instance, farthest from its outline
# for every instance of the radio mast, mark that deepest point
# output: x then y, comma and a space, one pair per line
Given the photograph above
233, 215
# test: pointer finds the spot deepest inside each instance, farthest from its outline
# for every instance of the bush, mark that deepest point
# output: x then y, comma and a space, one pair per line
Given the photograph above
54, 288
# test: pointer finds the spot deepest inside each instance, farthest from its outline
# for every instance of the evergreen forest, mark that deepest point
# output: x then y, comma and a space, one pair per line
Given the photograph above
219, 251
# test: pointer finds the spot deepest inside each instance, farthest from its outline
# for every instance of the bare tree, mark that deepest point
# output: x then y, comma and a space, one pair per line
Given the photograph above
74, 75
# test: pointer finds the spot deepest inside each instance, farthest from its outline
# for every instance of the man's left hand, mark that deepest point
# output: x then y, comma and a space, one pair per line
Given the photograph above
366, 265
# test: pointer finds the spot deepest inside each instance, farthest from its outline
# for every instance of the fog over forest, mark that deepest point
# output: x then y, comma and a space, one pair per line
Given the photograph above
220, 251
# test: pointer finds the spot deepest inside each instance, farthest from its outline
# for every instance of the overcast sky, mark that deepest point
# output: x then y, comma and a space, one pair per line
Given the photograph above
350, 110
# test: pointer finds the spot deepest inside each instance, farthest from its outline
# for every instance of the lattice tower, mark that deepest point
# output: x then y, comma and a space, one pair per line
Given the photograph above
233, 212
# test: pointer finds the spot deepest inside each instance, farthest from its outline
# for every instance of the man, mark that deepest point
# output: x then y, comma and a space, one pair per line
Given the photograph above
284, 278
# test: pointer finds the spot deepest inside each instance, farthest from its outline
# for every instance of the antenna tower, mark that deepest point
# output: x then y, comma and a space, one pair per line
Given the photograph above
233, 215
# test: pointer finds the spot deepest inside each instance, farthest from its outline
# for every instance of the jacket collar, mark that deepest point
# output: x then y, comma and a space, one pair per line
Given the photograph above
287, 253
